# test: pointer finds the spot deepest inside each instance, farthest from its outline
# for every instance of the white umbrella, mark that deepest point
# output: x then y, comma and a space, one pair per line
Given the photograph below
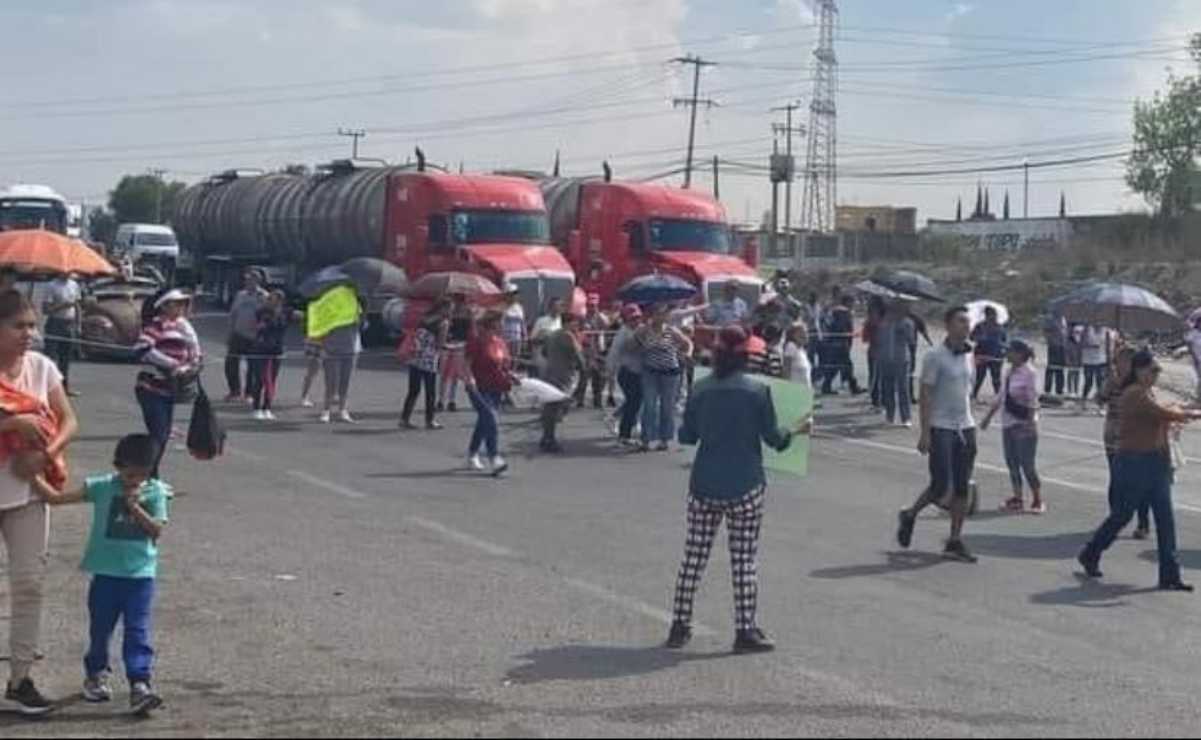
534, 392
975, 311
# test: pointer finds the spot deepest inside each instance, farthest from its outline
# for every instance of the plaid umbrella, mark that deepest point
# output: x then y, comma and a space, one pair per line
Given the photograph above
1126, 308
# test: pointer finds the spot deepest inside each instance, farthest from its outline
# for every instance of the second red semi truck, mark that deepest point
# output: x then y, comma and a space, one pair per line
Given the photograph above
612, 232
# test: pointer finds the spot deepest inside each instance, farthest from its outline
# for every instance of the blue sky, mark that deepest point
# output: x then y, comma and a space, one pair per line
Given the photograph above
196, 86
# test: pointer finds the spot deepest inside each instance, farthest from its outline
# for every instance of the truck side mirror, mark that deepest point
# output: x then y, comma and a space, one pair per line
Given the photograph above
751, 254
575, 247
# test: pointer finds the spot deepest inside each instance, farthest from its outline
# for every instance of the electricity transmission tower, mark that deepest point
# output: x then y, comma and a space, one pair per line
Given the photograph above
821, 167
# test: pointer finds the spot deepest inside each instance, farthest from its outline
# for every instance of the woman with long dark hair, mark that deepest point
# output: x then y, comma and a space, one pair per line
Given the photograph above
1142, 471
24, 522
730, 415
491, 378
423, 364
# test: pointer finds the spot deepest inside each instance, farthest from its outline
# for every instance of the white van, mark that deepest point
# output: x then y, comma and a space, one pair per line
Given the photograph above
140, 241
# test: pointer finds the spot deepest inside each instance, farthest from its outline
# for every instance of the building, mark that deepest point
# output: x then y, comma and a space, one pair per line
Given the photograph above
880, 219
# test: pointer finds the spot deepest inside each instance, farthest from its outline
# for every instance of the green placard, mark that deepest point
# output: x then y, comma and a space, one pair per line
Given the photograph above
793, 402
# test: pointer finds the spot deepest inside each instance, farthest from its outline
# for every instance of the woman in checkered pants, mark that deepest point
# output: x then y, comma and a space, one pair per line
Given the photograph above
730, 415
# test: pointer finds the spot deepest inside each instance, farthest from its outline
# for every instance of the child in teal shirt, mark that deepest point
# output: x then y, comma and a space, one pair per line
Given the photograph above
129, 514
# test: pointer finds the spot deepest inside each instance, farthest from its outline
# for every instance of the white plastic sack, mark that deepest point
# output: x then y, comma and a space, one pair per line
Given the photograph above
534, 392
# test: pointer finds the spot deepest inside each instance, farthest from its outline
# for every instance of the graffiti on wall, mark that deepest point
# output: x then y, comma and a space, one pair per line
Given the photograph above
1006, 236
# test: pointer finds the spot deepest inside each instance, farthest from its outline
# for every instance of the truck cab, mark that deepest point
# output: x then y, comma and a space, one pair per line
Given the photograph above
620, 230
490, 225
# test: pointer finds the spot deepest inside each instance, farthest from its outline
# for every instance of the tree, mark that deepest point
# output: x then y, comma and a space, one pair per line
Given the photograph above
1167, 140
102, 226
136, 199
1063, 204
959, 209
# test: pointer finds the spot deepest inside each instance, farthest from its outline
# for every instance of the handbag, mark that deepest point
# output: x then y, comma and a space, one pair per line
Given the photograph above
407, 349
206, 435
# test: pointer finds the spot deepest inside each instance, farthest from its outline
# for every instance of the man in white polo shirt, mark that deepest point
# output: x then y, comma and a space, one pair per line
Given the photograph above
948, 433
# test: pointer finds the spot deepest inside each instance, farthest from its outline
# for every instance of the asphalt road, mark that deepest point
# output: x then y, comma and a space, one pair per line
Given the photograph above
344, 581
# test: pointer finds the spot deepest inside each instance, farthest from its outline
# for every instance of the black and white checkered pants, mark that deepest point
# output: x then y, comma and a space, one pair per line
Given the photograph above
744, 519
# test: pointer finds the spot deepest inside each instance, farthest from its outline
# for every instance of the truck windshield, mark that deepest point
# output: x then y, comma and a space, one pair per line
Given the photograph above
689, 236
33, 214
499, 227
154, 240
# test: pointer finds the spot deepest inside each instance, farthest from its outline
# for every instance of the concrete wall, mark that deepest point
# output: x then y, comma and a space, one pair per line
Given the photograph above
1010, 235
883, 219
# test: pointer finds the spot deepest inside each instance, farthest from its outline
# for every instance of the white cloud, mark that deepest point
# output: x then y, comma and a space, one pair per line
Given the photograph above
959, 10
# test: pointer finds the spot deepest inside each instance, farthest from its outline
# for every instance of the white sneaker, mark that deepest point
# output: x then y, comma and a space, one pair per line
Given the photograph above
268, 416
475, 463
499, 466
346, 418
324, 418
306, 403
907, 424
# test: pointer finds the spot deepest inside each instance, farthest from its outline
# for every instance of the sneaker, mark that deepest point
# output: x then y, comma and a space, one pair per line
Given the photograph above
142, 699
753, 641
27, 700
956, 550
499, 466
1177, 586
1141, 533
233, 397
268, 416
662, 447
907, 424
433, 426
475, 463
346, 418
905, 530
406, 424
96, 690
324, 418
306, 403
452, 407
1090, 563
679, 637
259, 416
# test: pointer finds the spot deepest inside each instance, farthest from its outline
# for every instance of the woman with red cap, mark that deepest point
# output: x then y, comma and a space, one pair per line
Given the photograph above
731, 416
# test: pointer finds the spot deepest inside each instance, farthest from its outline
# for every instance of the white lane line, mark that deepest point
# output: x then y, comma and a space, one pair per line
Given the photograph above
488, 548
313, 480
238, 452
993, 468
1072, 438
633, 605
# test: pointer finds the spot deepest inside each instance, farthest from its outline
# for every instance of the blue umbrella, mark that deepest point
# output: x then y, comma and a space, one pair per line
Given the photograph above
650, 289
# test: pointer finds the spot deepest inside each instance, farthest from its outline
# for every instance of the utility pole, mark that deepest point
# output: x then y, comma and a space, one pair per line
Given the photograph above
157, 174
775, 198
788, 131
1026, 189
693, 102
716, 174
355, 134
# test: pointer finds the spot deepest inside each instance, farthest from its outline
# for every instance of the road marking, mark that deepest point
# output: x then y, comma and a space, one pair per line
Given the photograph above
327, 485
238, 452
632, 605
488, 548
992, 468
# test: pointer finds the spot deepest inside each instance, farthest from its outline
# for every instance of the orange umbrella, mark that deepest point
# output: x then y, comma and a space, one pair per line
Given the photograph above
39, 252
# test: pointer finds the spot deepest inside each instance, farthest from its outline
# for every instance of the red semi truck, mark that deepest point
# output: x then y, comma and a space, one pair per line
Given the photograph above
291, 225
612, 232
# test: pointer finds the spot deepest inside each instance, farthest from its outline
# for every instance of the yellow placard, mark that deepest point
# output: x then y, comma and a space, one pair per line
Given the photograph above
337, 308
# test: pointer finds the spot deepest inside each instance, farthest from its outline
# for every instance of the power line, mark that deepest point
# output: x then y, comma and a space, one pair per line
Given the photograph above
693, 102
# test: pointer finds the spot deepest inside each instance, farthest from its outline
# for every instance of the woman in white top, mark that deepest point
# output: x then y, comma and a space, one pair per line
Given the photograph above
24, 521
796, 359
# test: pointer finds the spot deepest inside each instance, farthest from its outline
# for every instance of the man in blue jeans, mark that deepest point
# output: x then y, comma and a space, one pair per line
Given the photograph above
948, 433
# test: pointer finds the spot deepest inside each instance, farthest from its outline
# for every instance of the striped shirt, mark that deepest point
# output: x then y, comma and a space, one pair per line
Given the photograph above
659, 352
167, 346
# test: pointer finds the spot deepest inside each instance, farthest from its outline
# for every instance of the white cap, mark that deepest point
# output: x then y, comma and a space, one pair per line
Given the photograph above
172, 296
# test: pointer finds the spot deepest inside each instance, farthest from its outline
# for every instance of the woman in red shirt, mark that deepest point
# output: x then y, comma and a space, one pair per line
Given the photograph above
491, 370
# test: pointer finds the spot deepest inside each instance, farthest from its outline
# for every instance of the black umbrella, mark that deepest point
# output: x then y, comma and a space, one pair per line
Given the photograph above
909, 283
1127, 308
322, 280
375, 277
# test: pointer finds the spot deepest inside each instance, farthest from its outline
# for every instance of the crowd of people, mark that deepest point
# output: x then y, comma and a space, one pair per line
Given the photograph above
646, 351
